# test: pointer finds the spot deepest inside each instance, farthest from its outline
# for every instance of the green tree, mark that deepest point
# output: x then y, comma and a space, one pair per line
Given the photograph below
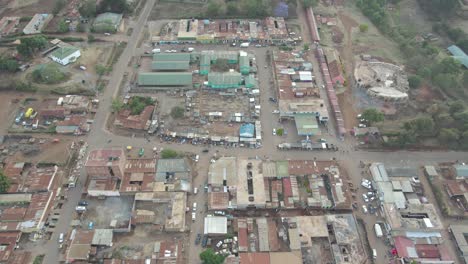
456, 107
8, 65
363, 28
373, 115
29, 46
439, 8
88, 8
91, 38
449, 136
448, 65
213, 9
80, 27
62, 27
115, 6
169, 154
309, 3
422, 126
101, 69
4, 182
280, 132
414, 81
464, 139
446, 81
232, 9
209, 257
177, 112
306, 47
117, 105
59, 5
465, 79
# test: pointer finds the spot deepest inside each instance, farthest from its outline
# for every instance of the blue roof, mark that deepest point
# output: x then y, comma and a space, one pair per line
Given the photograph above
247, 130
459, 55
462, 170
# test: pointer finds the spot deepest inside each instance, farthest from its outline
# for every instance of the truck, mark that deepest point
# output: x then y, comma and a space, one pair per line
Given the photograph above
378, 230
245, 45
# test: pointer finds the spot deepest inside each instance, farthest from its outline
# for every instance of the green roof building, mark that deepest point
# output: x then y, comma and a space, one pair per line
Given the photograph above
165, 79
65, 55
306, 125
205, 64
244, 64
107, 22
231, 56
225, 80
171, 57
250, 81
170, 65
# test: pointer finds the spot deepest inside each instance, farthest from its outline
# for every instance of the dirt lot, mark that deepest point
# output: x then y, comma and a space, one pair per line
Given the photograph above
26, 7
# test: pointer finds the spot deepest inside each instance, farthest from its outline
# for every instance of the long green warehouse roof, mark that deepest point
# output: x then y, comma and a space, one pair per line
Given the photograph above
170, 65
171, 57
165, 78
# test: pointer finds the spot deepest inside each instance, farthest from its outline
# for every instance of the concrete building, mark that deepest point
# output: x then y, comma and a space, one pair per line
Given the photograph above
37, 23
460, 233
65, 55
223, 173
250, 188
106, 163
215, 225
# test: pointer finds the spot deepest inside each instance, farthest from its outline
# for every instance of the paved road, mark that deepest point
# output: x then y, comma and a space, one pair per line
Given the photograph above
98, 136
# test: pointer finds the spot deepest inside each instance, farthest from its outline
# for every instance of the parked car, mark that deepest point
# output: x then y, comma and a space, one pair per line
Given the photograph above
219, 213
205, 150
275, 112
204, 241
195, 190
364, 196
194, 216
61, 238
219, 244
194, 207
273, 100
83, 203
274, 131
364, 208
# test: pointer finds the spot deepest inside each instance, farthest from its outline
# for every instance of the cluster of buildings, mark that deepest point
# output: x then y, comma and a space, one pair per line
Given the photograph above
412, 225
27, 206
271, 30
298, 95
239, 184
68, 115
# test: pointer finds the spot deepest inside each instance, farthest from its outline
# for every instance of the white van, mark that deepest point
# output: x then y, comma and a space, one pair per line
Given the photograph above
61, 236
374, 253
156, 51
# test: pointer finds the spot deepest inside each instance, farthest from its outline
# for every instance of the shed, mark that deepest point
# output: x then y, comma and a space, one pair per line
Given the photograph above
102, 237
459, 55
461, 171
165, 79
215, 225
244, 64
247, 130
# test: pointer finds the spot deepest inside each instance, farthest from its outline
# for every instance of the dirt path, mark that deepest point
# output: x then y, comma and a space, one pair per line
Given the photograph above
346, 99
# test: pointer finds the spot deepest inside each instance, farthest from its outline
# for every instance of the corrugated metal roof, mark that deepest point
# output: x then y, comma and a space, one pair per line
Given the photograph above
462, 170
171, 57
306, 125
224, 80
215, 225
247, 130
459, 55
169, 65
165, 78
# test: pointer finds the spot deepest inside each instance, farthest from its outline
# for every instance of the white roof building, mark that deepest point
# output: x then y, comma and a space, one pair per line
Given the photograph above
215, 225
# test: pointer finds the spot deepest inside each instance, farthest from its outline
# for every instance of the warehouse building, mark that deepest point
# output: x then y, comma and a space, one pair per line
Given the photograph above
170, 65
307, 125
225, 80
166, 79
65, 55
171, 57
244, 63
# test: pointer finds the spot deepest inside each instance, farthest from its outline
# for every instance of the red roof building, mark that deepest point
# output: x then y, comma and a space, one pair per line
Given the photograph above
335, 72
427, 251
254, 258
8, 242
139, 122
104, 163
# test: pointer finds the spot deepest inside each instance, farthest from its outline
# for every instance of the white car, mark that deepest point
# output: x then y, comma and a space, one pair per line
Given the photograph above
219, 244
274, 131
167, 51
362, 125
173, 51
194, 216
366, 199
195, 190
275, 112
364, 208
258, 46
194, 208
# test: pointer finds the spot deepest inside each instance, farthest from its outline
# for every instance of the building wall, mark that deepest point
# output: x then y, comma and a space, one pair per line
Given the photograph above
67, 60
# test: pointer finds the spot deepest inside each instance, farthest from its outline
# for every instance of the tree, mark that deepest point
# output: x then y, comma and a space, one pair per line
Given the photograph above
209, 257
29, 46
62, 27
439, 8
446, 81
464, 139
59, 4
177, 112
115, 6
91, 38
255, 8
213, 9
423, 126
8, 65
80, 27
88, 8
414, 81
465, 79
456, 107
363, 28
231, 9
4, 182
169, 154
306, 46
101, 69
448, 65
117, 105
373, 115
309, 3
449, 135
